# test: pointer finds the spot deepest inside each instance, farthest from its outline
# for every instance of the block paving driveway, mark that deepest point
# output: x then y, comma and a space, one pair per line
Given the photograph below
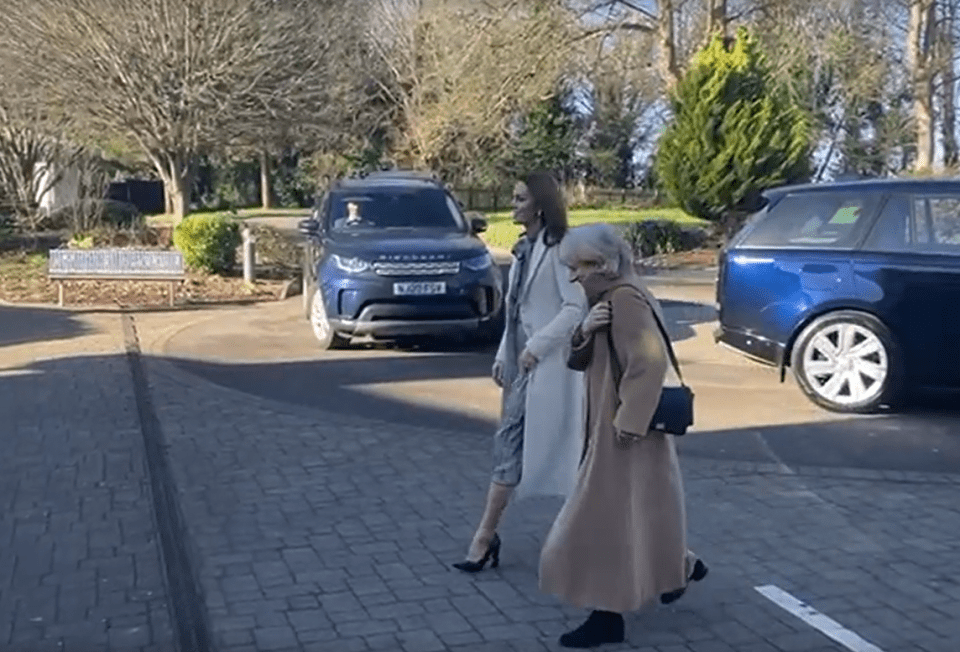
309, 529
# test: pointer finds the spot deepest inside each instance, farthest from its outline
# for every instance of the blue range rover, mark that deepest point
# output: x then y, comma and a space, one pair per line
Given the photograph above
395, 257
854, 285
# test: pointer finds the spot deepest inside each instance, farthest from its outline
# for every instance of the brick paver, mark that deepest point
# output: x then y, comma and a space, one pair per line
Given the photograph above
79, 564
324, 532
313, 531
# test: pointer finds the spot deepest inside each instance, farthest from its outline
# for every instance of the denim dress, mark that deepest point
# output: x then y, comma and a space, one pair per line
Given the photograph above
508, 439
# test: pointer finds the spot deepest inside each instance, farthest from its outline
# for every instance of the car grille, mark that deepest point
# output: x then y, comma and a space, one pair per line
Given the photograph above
417, 269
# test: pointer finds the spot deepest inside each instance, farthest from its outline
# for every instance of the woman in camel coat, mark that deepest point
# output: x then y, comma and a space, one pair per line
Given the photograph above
619, 542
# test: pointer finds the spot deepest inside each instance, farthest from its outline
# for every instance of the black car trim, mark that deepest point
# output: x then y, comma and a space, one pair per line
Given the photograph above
738, 340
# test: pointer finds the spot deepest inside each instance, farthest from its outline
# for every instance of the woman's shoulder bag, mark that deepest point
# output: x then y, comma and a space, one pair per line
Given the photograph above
675, 411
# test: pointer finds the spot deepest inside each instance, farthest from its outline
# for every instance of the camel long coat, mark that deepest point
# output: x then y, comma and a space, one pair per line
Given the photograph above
551, 307
620, 539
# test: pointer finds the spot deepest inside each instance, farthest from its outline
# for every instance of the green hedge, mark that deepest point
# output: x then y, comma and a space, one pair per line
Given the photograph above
208, 242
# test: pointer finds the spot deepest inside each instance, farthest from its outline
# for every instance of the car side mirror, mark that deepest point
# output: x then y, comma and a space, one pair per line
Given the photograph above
478, 223
308, 227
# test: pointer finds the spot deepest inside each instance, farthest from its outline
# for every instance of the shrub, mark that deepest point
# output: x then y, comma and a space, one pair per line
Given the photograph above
85, 215
208, 242
655, 237
734, 134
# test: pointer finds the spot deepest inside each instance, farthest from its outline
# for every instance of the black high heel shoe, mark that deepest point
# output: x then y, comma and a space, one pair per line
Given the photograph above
493, 552
699, 572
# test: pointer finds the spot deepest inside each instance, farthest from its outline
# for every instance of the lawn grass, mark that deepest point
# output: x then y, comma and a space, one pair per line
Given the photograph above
503, 233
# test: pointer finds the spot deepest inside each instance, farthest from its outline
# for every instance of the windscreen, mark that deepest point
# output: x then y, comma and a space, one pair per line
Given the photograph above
394, 208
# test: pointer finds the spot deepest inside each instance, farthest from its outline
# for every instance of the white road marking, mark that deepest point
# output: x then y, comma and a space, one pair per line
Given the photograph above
765, 445
827, 626
12, 373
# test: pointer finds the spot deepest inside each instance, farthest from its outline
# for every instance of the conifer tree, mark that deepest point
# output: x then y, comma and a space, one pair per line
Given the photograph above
733, 134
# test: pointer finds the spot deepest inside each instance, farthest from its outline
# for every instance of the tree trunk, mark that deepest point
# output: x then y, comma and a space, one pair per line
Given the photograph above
919, 55
266, 190
923, 114
175, 171
951, 152
179, 198
717, 18
666, 34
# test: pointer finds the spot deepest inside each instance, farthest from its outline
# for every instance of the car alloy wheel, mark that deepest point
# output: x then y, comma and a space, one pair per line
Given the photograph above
322, 329
846, 362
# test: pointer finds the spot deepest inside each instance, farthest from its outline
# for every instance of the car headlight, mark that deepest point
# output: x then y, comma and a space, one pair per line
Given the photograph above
350, 265
478, 263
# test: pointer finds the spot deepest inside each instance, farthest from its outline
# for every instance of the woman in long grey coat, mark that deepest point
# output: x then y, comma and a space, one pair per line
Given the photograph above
537, 446
619, 542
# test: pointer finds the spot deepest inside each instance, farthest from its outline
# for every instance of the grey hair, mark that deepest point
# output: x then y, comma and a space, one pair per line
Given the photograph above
597, 243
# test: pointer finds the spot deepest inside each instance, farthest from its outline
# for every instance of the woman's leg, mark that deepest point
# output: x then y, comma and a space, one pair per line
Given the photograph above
498, 496
507, 469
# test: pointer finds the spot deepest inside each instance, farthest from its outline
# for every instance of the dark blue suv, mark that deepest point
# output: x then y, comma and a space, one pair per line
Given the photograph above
394, 256
854, 285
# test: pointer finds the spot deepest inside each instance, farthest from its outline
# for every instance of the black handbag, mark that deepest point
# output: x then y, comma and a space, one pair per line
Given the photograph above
675, 411
579, 357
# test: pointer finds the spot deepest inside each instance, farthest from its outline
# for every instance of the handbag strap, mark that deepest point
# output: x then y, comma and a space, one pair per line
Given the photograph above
617, 372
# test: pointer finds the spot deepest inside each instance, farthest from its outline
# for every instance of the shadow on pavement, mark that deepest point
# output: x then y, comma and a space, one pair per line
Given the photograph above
923, 438
682, 316
336, 383
20, 325
331, 385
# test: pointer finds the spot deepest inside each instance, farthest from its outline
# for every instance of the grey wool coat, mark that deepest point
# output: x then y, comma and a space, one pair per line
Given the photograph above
619, 540
551, 307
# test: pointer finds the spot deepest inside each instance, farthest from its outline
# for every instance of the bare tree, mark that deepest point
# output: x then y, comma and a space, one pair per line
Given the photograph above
718, 17
175, 76
683, 26
622, 86
455, 74
921, 51
34, 148
947, 57
663, 22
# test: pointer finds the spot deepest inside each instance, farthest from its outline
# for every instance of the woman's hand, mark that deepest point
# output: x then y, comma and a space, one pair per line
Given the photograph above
598, 317
624, 438
527, 360
497, 373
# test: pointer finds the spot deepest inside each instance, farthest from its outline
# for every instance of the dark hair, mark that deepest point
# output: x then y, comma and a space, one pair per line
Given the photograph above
548, 198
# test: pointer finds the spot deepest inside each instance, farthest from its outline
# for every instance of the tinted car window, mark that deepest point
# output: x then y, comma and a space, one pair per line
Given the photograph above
394, 208
923, 224
942, 223
891, 233
813, 220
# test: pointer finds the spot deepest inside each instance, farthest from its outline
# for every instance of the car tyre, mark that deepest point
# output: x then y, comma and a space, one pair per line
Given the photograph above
320, 324
848, 361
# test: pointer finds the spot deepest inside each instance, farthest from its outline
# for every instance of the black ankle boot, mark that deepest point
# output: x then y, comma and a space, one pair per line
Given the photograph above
699, 572
601, 627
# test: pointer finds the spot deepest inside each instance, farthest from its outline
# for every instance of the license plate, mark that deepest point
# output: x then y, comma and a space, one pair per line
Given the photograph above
419, 288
